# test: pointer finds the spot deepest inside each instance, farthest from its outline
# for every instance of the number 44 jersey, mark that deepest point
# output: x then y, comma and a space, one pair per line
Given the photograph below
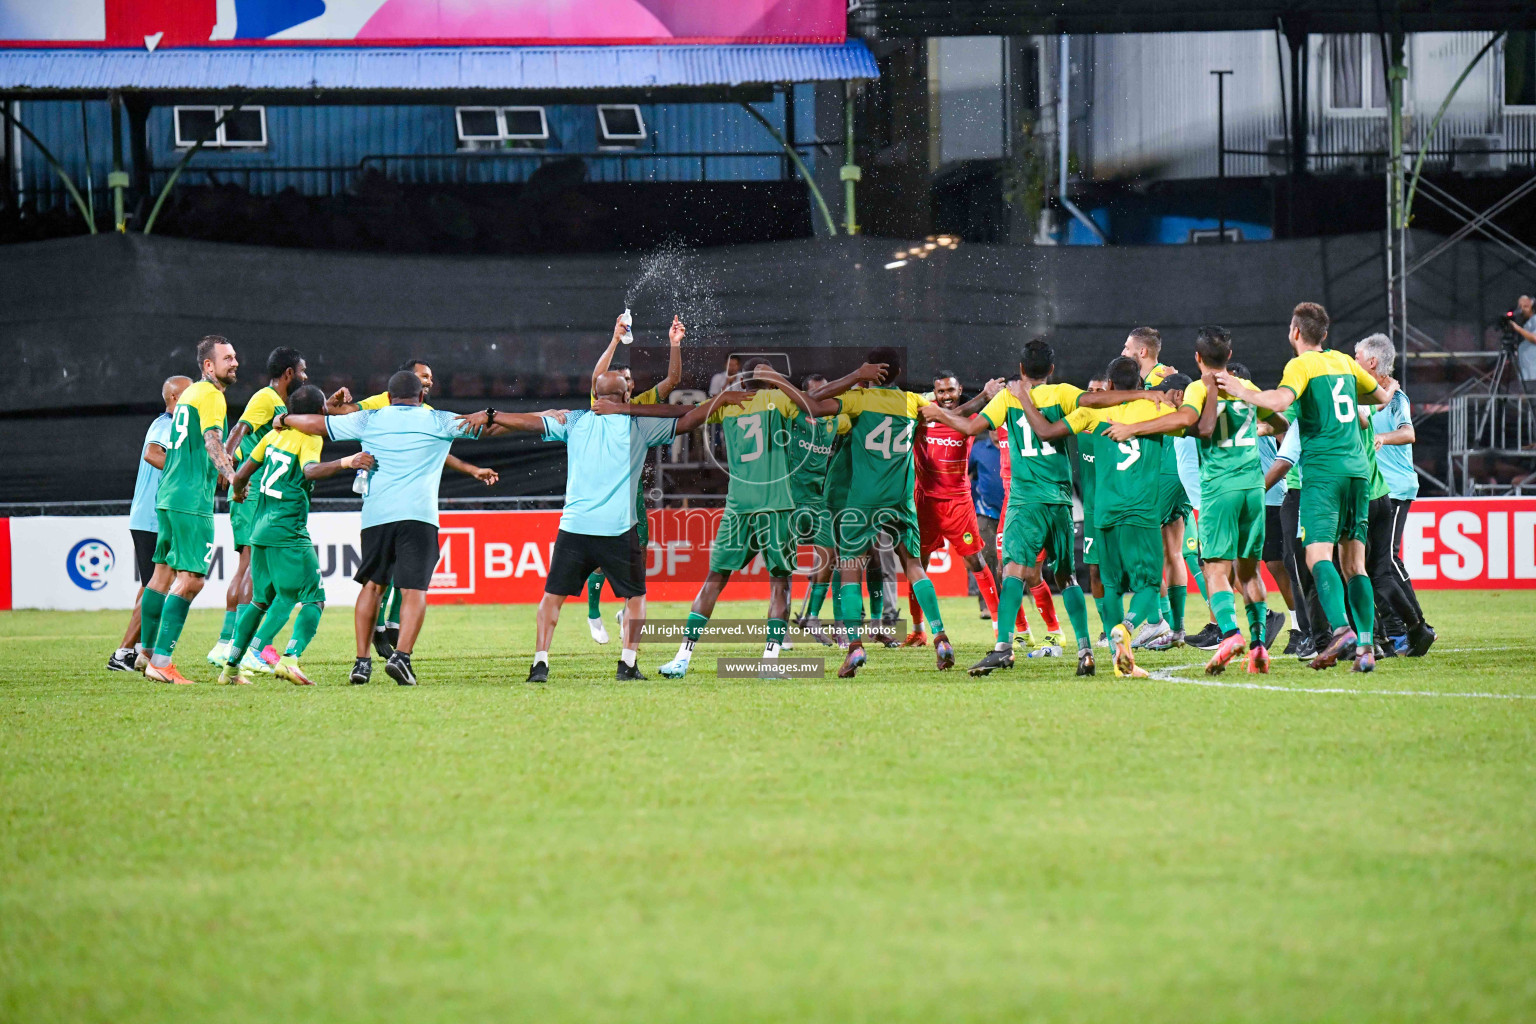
884, 421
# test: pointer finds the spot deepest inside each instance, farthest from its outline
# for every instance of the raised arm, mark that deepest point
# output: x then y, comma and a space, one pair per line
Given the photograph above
613, 346
974, 405
1044, 429
303, 422
868, 373
525, 421
1107, 399
340, 403
321, 470
807, 405
1275, 400
674, 375
696, 415
1168, 423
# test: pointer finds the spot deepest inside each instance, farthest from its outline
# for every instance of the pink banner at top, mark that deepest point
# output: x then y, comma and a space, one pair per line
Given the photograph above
166, 23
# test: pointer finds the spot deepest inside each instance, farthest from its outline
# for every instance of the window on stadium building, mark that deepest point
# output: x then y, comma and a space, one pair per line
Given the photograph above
1520, 69
620, 126
1357, 78
497, 126
245, 128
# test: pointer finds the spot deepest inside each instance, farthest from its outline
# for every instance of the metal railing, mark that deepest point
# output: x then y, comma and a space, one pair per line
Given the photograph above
1491, 426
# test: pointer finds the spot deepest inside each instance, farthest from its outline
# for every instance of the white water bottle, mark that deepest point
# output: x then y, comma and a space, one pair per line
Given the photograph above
628, 337
360, 483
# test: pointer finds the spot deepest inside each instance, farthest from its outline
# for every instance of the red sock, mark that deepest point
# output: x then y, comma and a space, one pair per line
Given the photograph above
915, 609
1047, 605
1020, 623
988, 587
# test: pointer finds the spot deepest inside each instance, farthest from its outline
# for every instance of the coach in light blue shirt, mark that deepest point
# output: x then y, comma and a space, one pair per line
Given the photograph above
409, 445
606, 450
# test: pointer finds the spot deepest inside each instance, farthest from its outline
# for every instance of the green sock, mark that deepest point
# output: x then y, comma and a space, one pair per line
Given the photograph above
1114, 606
695, 626
817, 599
876, 581
1224, 607
1330, 593
272, 623
396, 599
850, 608
595, 595
1144, 606
928, 601
304, 629
1176, 598
227, 631
1197, 573
1164, 608
172, 620
245, 627
1257, 613
776, 630
149, 617
1362, 601
1106, 618
384, 600
1009, 596
1077, 614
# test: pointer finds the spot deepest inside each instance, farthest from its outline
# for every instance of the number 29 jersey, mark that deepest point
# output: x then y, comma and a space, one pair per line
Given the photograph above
884, 420
1040, 472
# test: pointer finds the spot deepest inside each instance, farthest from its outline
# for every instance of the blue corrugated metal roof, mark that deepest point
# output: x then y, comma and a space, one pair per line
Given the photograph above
410, 69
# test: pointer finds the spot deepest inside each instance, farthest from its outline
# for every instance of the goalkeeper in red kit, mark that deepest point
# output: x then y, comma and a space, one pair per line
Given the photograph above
945, 510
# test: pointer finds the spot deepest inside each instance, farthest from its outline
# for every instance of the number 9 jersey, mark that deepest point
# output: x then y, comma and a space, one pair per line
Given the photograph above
1125, 473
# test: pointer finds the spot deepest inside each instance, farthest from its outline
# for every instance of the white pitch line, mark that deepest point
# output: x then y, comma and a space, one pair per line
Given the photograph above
1166, 675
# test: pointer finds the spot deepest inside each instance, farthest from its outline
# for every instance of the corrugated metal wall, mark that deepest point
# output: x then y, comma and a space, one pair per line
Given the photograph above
303, 142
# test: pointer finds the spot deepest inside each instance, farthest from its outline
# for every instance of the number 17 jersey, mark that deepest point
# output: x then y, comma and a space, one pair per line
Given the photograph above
1041, 473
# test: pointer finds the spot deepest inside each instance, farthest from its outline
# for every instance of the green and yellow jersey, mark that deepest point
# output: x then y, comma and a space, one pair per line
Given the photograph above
839, 474
1087, 446
1125, 472
188, 481
381, 401
650, 396
1157, 375
1326, 384
757, 451
812, 443
1040, 474
258, 414
280, 490
884, 420
1229, 458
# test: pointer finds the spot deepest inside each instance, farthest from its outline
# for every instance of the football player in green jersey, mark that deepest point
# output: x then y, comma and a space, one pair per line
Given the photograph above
285, 373
1039, 501
194, 463
1125, 502
814, 440
1087, 452
835, 494
284, 568
758, 506
1232, 516
1326, 386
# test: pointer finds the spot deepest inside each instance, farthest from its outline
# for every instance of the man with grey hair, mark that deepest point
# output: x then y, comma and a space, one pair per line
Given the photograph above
1524, 325
1387, 434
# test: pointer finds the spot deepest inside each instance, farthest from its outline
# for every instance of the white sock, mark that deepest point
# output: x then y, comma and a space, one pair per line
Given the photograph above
541, 657
598, 619
1293, 618
770, 651
1000, 646
628, 655
138, 648
685, 651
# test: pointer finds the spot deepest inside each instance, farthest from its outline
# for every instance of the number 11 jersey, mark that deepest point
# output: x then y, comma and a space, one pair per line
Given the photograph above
1041, 473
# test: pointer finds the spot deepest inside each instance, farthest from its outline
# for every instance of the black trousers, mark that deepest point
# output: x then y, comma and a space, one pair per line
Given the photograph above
1396, 604
1309, 610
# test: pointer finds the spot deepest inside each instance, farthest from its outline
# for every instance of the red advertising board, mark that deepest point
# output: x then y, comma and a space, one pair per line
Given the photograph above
503, 558
171, 23
1471, 543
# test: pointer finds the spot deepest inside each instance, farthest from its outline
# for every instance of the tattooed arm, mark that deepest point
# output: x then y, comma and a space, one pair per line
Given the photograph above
219, 455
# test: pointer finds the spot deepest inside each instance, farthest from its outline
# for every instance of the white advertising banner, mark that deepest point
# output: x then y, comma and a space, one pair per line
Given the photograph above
78, 563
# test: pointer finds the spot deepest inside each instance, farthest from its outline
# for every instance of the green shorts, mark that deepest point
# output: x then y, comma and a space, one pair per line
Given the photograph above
1232, 524
812, 524
1333, 509
1031, 528
293, 572
744, 535
1131, 557
856, 529
184, 541
1172, 502
1090, 538
242, 518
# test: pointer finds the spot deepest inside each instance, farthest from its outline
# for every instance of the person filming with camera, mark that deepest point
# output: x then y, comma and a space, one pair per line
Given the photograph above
1521, 323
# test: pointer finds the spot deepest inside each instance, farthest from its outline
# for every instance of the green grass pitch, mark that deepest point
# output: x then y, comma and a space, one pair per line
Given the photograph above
906, 846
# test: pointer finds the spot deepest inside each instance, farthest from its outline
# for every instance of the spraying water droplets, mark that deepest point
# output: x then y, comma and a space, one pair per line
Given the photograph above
673, 280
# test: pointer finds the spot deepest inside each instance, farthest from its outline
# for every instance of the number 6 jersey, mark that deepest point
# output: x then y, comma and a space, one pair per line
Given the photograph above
1326, 384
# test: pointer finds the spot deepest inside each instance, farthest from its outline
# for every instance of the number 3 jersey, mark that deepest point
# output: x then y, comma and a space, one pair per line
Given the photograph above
757, 447
188, 482
1326, 384
1229, 458
1125, 473
884, 421
1040, 472
280, 490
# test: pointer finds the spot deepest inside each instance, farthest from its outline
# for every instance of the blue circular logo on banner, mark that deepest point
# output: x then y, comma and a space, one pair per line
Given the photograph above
89, 562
